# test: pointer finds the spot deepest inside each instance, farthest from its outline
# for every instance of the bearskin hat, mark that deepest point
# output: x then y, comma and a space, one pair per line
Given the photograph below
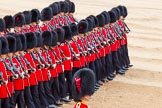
83, 84
4, 45
60, 33
2, 25
9, 21
62, 6
112, 17
23, 42
125, 11
68, 33
11, 43
96, 23
47, 38
67, 8
82, 27
39, 39
18, 42
101, 20
19, 19
107, 17
59, 7
54, 8
31, 40
35, 15
54, 38
72, 7
90, 24
74, 29
46, 14
117, 12
27, 15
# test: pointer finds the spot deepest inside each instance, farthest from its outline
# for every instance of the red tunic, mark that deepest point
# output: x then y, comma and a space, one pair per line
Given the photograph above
26, 80
43, 27
57, 22
80, 105
124, 41
33, 78
10, 84
107, 47
53, 70
18, 83
44, 70
76, 63
53, 23
65, 20
71, 19
82, 58
33, 28
5, 93
114, 45
61, 20
38, 72
67, 63
59, 67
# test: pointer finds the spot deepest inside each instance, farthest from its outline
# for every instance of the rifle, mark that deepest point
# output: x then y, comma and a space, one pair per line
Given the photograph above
112, 38
49, 60
126, 27
55, 23
90, 46
23, 67
2, 81
80, 50
43, 60
64, 57
10, 69
96, 40
85, 47
50, 26
68, 20
105, 43
72, 51
59, 60
59, 21
28, 63
120, 29
15, 69
38, 60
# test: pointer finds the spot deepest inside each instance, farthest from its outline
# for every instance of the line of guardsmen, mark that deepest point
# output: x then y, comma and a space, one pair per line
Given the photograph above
39, 57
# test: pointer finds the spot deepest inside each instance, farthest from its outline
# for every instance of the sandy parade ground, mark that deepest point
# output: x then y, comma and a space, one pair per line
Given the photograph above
141, 87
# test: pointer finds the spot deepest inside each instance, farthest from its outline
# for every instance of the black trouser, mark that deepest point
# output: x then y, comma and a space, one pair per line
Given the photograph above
28, 98
51, 100
120, 55
18, 97
103, 67
35, 95
115, 61
62, 85
54, 85
42, 95
4, 103
68, 76
98, 69
92, 67
127, 55
124, 57
109, 66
